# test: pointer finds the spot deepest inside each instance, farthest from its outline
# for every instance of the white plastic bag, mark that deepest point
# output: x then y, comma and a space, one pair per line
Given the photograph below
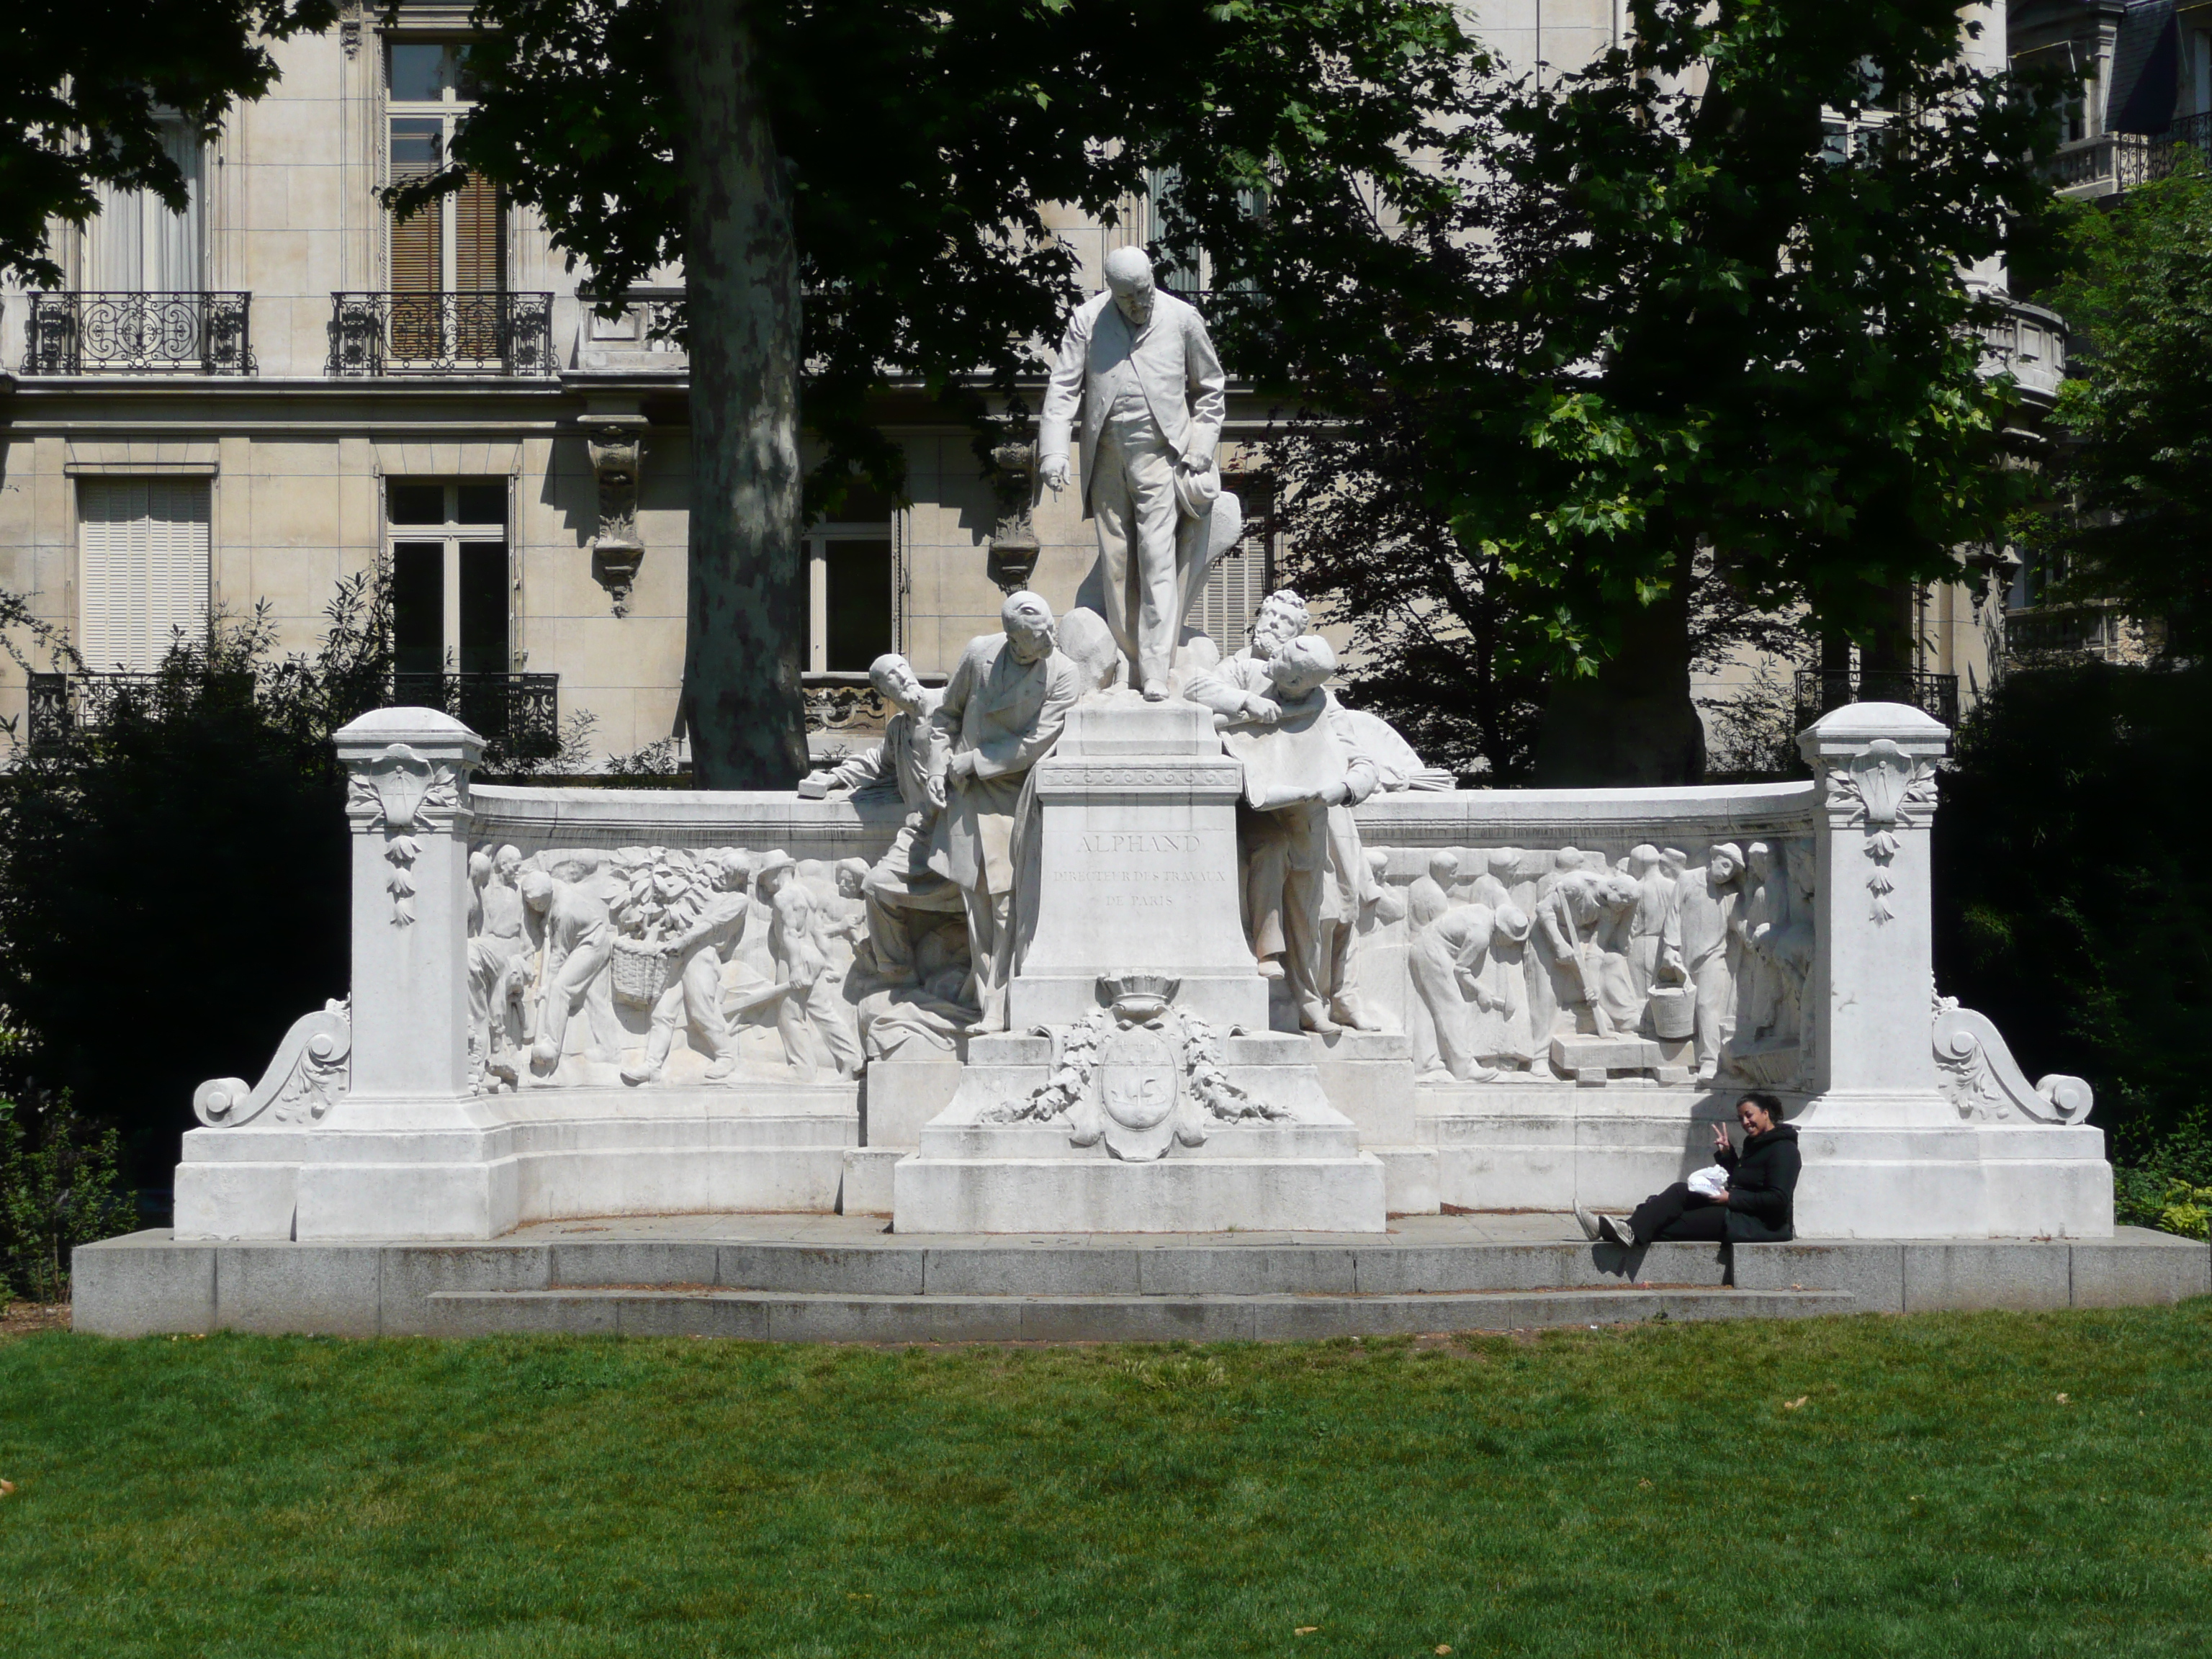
1709, 1182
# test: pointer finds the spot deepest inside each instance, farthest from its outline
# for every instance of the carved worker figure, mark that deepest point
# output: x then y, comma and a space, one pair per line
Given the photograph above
1702, 944
499, 948
1448, 962
577, 900
901, 881
808, 1012
1004, 708
1655, 902
703, 921
1153, 396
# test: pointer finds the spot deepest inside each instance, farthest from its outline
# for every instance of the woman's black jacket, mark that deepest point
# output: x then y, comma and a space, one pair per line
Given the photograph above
1762, 1179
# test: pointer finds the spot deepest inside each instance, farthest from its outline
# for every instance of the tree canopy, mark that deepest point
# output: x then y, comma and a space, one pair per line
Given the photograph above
85, 86
1697, 312
900, 162
2135, 464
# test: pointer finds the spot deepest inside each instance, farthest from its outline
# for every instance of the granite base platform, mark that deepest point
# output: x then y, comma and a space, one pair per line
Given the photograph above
800, 1278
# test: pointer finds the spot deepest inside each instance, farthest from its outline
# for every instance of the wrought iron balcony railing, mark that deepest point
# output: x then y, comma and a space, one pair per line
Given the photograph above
518, 714
2121, 160
73, 333
1820, 690
441, 334
63, 705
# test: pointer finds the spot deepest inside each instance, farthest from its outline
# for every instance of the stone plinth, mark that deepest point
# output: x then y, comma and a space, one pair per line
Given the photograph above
1302, 1170
1138, 867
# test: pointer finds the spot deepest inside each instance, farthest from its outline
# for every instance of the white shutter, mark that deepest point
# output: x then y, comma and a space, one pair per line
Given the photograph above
144, 569
1233, 588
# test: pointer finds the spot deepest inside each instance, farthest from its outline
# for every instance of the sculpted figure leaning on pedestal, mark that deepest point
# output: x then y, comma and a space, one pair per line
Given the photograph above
1002, 710
1152, 395
901, 881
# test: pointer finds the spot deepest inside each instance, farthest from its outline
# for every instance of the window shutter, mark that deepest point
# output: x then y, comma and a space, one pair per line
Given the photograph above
418, 263
479, 246
1239, 580
144, 569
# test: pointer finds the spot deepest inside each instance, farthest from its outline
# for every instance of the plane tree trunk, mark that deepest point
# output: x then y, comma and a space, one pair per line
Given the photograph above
747, 614
1633, 723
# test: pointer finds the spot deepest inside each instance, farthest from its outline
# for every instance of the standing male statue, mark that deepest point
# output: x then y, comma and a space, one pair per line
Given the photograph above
1004, 708
1151, 390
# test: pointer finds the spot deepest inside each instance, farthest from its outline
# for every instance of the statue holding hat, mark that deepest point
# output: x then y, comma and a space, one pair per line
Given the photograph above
1152, 395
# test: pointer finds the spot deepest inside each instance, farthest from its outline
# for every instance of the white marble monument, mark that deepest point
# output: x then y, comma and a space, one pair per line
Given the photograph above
1116, 936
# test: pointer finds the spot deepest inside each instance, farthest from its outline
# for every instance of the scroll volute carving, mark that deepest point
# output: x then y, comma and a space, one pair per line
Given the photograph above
618, 448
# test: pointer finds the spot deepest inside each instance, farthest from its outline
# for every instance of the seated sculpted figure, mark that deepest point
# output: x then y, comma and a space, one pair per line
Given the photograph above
901, 884
1003, 710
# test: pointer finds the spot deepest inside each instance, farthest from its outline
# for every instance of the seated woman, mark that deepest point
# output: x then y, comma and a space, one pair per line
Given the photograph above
1754, 1207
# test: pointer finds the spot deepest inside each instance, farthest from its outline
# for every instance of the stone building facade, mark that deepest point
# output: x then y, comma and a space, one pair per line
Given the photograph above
243, 405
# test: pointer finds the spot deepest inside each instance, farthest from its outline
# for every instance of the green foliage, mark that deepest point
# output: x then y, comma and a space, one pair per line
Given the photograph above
2136, 477
80, 86
929, 142
174, 884
2083, 931
60, 1185
2163, 1179
1992, 1487
1671, 350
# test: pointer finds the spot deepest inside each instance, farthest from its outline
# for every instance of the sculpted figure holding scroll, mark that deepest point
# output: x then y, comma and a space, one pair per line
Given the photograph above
1304, 869
1003, 710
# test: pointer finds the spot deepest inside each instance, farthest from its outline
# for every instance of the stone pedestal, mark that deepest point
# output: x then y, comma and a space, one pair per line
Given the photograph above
1138, 866
1305, 1172
1886, 1154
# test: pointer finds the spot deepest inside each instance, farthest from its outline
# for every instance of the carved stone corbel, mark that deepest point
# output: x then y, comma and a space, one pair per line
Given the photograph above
617, 442
1014, 539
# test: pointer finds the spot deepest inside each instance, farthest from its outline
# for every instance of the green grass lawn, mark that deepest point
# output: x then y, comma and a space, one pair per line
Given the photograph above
1987, 1484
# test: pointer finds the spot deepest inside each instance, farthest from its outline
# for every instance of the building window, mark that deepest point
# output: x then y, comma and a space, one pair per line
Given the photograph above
135, 243
850, 590
457, 245
142, 570
449, 576
1243, 576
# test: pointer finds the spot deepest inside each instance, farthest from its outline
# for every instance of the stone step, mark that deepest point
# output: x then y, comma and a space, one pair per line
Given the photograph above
1434, 1272
829, 1317
980, 1267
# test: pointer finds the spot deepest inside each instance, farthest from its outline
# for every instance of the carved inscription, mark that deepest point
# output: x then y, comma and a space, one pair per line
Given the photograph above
1135, 850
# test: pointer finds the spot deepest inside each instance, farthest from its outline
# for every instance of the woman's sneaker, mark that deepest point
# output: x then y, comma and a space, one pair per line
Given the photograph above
1618, 1231
1588, 1222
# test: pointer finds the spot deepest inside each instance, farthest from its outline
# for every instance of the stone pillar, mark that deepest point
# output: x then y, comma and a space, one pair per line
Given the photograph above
1874, 968
1138, 867
407, 803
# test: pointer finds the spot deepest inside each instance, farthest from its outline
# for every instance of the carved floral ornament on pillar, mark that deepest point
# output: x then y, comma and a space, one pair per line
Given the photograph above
395, 789
1880, 789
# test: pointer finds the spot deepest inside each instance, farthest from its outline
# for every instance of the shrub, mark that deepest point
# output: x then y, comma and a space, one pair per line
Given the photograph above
60, 1185
2075, 898
174, 884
